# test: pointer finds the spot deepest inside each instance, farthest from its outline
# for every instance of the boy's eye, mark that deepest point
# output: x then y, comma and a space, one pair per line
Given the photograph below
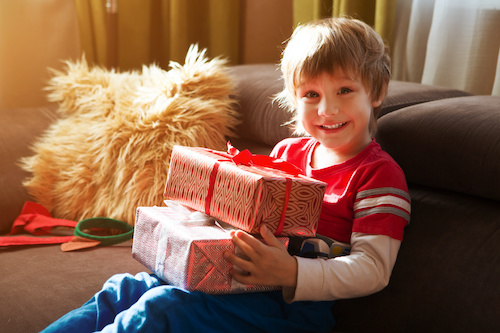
311, 94
344, 91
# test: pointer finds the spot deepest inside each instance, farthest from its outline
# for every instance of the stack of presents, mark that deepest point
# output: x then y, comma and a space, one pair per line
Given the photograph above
209, 193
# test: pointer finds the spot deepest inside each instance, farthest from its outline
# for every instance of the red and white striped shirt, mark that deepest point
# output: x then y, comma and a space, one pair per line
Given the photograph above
366, 194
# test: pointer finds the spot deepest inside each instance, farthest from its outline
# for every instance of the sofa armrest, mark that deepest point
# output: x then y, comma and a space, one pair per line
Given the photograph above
450, 144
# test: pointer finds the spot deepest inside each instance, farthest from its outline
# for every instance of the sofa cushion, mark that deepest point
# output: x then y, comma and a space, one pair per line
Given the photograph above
42, 283
402, 94
262, 120
109, 151
450, 144
446, 275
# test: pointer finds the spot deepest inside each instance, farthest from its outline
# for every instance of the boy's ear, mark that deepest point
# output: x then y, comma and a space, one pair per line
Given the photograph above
378, 101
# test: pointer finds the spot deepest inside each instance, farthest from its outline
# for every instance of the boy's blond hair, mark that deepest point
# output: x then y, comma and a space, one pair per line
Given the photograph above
333, 43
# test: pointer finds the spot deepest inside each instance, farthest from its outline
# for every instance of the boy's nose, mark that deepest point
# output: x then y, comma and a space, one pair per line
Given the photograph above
327, 108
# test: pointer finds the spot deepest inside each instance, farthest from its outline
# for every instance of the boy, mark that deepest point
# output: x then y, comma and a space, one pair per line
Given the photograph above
336, 75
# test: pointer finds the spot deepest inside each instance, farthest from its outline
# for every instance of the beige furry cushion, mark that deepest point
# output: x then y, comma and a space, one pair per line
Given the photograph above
109, 151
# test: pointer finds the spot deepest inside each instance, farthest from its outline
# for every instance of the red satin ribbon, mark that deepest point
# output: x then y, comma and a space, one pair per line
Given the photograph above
36, 220
211, 186
246, 158
279, 230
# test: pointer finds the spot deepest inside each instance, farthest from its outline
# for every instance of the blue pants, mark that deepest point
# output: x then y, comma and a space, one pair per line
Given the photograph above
144, 303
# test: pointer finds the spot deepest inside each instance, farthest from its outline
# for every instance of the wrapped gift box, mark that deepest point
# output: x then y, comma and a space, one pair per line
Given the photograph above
185, 249
245, 190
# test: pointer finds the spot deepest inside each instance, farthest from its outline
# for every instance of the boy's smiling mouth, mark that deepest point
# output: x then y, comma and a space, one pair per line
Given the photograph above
334, 126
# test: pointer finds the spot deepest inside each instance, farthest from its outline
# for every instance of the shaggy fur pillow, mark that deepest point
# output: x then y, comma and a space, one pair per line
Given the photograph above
109, 152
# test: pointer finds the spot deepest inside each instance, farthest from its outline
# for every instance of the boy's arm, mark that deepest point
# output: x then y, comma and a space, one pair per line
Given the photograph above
365, 271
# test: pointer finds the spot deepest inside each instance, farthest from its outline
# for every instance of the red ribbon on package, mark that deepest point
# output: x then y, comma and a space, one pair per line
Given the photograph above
246, 158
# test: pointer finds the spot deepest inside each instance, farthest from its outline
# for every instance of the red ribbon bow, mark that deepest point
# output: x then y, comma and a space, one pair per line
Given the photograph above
246, 158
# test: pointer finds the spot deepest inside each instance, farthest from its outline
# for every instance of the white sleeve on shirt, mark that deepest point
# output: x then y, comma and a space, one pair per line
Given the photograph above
363, 272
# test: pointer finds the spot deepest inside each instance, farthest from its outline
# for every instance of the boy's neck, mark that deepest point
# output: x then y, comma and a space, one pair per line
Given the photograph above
323, 157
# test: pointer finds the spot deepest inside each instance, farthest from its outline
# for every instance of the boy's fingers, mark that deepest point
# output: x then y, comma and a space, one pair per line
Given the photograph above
269, 237
247, 243
242, 278
237, 261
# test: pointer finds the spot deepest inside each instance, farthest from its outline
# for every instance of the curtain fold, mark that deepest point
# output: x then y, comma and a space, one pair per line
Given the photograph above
309, 10
410, 40
127, 33
92, 26
449, 43
463, 46
378, 13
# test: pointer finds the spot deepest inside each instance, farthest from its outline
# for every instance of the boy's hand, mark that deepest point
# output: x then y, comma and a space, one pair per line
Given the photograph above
268, 265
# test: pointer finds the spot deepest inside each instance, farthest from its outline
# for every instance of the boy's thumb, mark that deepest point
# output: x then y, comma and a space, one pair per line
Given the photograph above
268, 236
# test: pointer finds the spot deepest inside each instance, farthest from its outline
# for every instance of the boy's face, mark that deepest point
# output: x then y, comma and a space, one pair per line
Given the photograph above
336, 110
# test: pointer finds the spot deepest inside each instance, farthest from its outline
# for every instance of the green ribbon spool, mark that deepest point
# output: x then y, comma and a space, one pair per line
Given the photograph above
106, 223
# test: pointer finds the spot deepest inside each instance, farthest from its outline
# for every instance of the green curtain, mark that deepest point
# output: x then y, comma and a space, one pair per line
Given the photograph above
380, 14
131, 33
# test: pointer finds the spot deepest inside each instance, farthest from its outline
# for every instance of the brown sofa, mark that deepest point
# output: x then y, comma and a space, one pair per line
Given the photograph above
445, 279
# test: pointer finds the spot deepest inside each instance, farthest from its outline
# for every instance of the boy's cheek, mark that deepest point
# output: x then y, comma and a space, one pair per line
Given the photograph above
303, 108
